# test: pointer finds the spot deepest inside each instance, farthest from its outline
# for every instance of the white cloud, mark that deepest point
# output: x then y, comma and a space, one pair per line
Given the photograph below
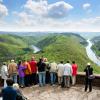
48, 24
42, 8
59, 9
86, 6
38, 8
3, 10
37, 13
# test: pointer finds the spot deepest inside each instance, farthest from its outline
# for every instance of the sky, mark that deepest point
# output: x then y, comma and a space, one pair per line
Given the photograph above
50, 15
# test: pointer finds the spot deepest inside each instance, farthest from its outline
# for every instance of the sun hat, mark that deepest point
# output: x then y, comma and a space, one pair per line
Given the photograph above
15, 86
12, 60
88, 64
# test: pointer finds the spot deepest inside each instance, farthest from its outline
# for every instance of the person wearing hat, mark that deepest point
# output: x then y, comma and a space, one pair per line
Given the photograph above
9, 93
88, 81
20, 95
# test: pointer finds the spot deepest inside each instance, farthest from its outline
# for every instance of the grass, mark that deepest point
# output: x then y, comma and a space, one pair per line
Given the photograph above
55, 47
63, 47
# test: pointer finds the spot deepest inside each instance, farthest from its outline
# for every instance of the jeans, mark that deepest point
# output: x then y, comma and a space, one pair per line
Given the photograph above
67, 81
14, 78
42, 78
53, 77
21, 81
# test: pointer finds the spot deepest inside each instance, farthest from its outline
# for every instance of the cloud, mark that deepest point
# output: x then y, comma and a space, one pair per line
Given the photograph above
3, 10
59, 9
42, 8
86, 6
37, 13
36, 7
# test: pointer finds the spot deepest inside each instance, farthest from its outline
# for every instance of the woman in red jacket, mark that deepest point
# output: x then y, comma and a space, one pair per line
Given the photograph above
74, 72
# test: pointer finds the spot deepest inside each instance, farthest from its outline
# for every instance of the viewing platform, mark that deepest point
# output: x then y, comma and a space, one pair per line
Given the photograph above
55, 92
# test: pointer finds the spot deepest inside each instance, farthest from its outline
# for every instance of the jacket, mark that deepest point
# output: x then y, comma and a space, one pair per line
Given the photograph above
74, 68
9, 93
88, 71
21, 71
12, 68
53, 67
41, 67
28, 68
4, 72
33, 65
60, 70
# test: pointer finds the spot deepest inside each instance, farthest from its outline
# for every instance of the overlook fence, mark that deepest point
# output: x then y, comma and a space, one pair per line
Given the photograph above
81, 79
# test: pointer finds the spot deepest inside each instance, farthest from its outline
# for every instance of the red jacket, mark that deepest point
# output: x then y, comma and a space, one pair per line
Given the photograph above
33, 65
74, 68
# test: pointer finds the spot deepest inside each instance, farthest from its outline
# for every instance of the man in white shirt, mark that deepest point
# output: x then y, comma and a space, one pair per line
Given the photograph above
67, 74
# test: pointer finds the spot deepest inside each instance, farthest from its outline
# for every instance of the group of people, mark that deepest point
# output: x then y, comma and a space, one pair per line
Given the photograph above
27, 73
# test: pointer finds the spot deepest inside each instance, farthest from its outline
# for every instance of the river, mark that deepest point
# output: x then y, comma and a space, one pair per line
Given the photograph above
35, 48
92, 56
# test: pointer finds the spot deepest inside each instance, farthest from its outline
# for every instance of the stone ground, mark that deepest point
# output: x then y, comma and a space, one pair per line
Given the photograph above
57, 93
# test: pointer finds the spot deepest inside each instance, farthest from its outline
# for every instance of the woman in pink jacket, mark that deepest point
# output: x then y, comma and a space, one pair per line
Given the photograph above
74, 72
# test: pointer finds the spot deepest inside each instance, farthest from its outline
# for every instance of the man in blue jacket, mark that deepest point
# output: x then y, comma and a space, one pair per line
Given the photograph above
9, 93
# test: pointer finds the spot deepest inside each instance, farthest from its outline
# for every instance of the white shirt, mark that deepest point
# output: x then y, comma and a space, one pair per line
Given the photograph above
68, 69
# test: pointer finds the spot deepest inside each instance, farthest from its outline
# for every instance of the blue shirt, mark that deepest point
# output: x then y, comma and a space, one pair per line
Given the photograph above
9, 93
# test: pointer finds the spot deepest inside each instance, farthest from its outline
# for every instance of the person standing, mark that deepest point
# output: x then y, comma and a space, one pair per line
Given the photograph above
4, 74
28, 73
12, 70
9, 93
74, 72
21, 73
41, 72
20, 95
33, 65
88, 81
67, 74
53, 72
47, 70
60, 67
